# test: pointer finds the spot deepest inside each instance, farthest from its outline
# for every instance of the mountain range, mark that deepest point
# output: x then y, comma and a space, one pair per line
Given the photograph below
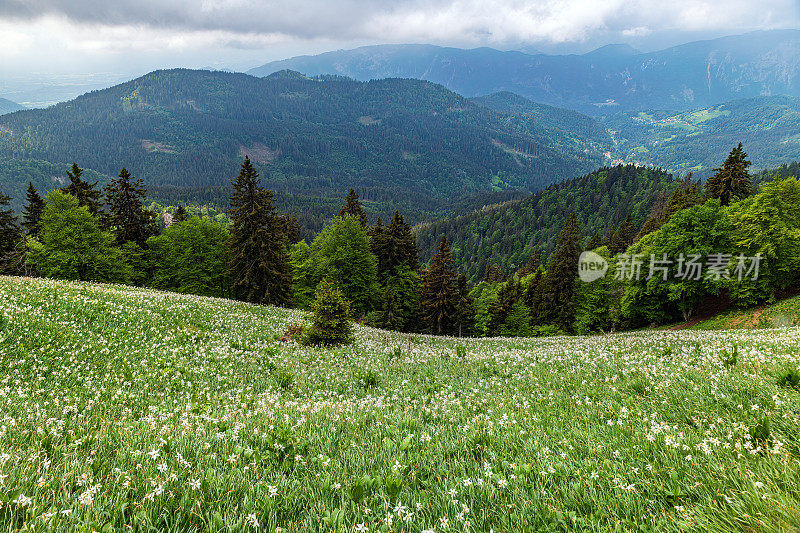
402, 142
612, 79
7, 106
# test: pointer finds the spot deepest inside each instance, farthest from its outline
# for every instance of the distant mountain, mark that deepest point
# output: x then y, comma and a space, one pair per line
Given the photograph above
612, 79
406, 143
699, 140
507, 234
7, 106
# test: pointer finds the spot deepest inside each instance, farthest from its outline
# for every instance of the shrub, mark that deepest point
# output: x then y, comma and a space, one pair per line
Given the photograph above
283, 378
330, 325
293, 333
789, 378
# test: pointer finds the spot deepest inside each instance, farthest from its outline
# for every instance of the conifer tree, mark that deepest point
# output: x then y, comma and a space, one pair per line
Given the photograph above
180, 215
10, 237
439, 297
623, 237
353, 207
84, 191
501, 307
32, 212
127, 216
331, 317
465, 309
686, 195
731, 182
595, 242
394, 246
558, 284
259, 261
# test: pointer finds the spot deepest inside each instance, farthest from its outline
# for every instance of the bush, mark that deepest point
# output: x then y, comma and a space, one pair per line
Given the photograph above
789, 378
330, 325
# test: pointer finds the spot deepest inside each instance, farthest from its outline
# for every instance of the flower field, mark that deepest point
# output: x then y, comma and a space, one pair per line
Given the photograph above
127, 409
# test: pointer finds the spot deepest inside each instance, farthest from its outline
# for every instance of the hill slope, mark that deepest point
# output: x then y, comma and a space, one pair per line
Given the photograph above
700, 139
191, 409
611, 79
391, 139
7, 106
508, 233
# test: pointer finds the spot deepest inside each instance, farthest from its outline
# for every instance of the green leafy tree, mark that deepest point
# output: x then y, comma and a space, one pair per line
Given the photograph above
73, 246
32, 212
86, 193
259, 257
698, 233
191, 257
768, 224
330, 324
731, 181
465, 308
341, 253
518, 321
597, 303
127, 216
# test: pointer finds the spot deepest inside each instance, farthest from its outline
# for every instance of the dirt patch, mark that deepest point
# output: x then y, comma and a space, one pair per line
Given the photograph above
260, 153
155, 146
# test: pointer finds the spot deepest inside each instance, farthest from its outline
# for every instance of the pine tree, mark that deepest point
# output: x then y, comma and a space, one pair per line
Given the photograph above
439, 297
686, 195
623, 237
32, 212
331, 317
84, 191
394, 246
465, 309
353, 207
180, 215
595, 242
127, 217
10, 237
501, 307
731, 182
558, 283
259, 263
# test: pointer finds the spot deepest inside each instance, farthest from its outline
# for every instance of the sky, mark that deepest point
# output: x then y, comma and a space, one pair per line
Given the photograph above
52, 44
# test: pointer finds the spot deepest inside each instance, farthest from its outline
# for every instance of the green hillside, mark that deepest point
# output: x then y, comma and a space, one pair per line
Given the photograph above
781, 314
176, 412
507, 234
698, 140
406, 142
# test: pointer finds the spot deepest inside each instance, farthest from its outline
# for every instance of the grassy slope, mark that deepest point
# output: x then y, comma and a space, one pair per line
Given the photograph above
127, 406
783, 313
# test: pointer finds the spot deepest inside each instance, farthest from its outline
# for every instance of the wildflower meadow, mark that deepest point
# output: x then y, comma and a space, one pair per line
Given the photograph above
125, 409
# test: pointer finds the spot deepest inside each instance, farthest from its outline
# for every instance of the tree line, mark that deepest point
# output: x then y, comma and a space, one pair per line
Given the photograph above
374, 271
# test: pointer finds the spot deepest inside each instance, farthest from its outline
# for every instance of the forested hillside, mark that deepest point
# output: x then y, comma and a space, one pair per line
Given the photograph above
405, 142
508, 234
697, 140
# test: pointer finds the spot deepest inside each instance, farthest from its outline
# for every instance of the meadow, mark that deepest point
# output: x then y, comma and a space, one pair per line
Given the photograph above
127, 409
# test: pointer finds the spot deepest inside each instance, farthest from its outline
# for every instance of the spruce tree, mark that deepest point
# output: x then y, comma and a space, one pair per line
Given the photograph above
558, 283
439, 296
259, 260
180, 215
686, 195
501, 307
127, 216
10, 237
465, 309
84, 191
353, 207
330, 324
394, 246
32, 212
623, 237
731, 182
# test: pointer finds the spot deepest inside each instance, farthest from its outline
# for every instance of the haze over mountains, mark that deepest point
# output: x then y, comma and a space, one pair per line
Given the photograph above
609, 80
7, 106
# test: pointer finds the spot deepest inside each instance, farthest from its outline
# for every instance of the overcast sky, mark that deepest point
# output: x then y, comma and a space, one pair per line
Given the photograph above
124, 37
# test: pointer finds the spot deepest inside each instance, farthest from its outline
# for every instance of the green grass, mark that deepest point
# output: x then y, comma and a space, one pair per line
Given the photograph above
128, 408
781, 314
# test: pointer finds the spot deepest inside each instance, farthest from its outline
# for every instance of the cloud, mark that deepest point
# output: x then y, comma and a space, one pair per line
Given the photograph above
243, 22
